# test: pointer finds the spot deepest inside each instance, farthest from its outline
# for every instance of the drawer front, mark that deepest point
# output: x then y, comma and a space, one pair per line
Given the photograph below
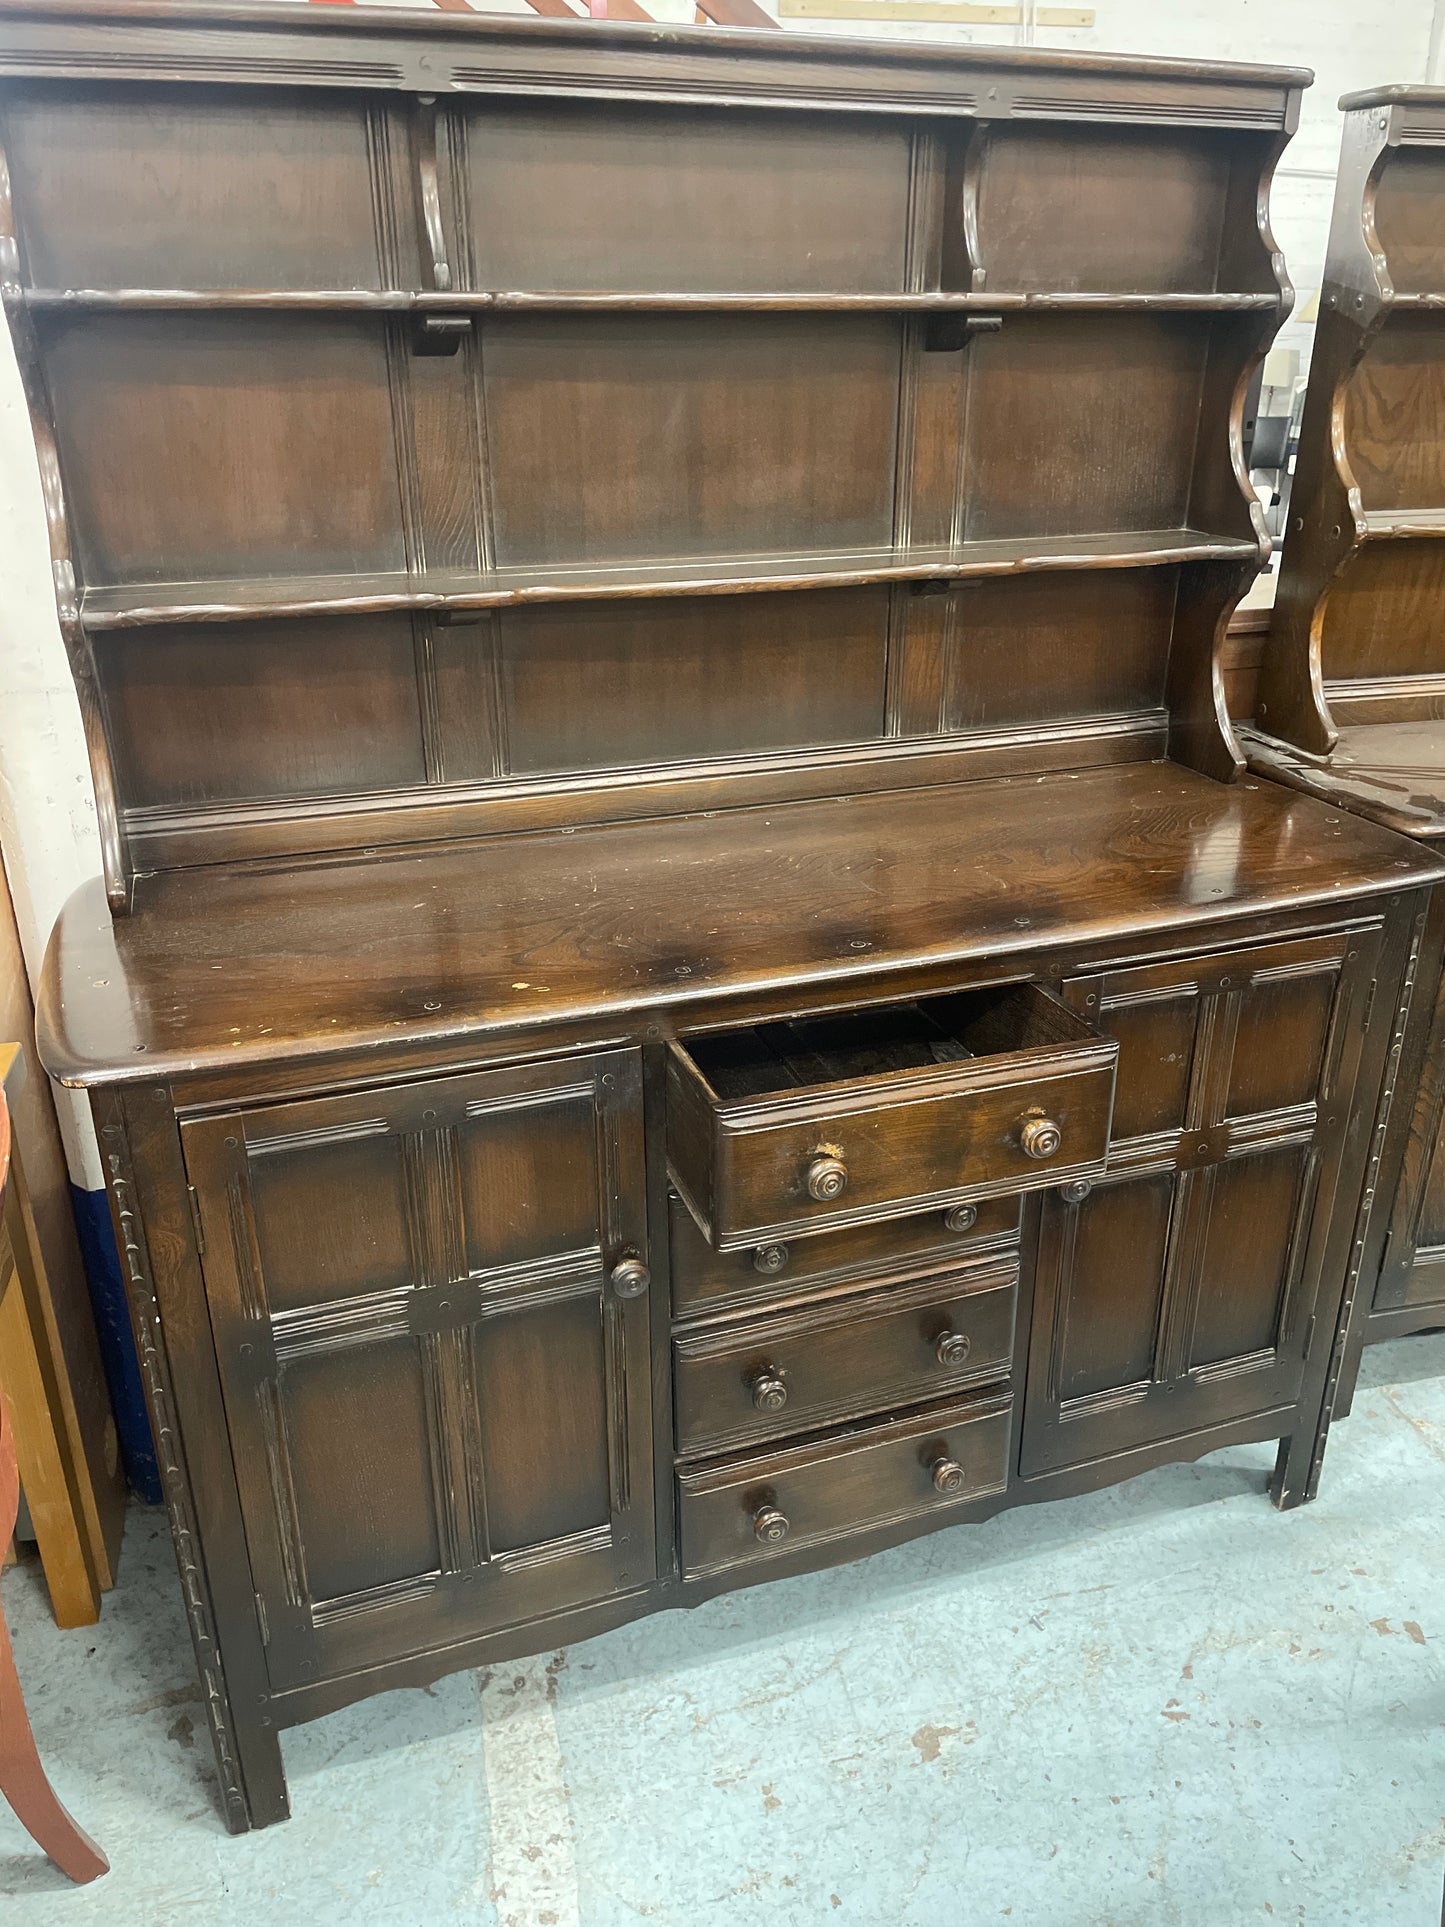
760, 1153
942, 1146
745, 1513
705, 1282
848, 1358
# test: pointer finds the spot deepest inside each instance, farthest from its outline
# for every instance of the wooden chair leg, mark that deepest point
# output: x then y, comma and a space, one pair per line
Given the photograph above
22, 1778
29, 1792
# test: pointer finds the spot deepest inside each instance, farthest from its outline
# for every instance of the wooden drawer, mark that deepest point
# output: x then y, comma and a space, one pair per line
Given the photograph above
846, 1358
707, 1282
799, 1126
750, 1509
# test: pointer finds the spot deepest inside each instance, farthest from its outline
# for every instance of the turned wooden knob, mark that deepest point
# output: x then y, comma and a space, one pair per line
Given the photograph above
947, 1475
952, 1347
630, 1278
827, 1178
1040, 1137
770, 1527
963, 1217
770, 1392
770, 1259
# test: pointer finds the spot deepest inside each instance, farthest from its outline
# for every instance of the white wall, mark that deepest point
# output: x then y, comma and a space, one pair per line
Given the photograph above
47, 815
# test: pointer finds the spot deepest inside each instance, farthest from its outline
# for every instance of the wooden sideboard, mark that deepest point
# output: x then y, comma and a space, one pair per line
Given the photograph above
689, 982
1352, 688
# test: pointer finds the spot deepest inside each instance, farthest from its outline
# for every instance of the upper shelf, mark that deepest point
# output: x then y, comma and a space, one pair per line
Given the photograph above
403, 301
136, 605
1384, 525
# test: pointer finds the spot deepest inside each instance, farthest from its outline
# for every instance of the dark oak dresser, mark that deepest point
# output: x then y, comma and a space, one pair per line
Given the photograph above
689, 983
1352, 691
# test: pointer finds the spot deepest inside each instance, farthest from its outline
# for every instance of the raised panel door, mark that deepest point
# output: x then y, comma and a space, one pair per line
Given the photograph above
439, 1403
1180, 1291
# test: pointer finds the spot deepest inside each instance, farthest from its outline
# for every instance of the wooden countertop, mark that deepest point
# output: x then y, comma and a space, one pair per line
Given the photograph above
218, 969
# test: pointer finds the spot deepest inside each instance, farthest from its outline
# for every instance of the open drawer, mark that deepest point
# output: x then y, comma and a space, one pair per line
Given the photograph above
783, 1128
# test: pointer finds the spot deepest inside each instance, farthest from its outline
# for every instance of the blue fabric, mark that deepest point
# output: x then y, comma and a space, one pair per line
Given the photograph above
117, 1346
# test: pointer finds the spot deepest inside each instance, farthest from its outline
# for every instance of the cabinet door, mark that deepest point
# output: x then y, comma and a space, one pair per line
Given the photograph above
1412, 1273
1180, 1292
439, 1402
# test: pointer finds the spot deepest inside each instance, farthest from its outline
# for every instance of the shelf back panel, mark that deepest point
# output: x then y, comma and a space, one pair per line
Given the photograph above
1394, 416
568, 198
1408, 203
210, 187
1383, 615
1125, 210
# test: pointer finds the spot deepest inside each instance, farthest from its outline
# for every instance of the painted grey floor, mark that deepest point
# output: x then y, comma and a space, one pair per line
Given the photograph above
1162, 1704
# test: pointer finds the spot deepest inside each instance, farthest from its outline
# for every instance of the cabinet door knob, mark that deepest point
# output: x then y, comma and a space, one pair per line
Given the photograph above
827, 1178
770, 1260
770, 1527
952, 1347
963, 1217
769, 1389
630, 1277
1040, 1137
947, 1475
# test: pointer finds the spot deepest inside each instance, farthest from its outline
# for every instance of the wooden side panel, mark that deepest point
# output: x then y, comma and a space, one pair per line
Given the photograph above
528, 1181
1133, 210
1180, 1292
1042, 647
1156, 1032
327, 1217
619, 438
440, 1410
1073, 424
1119, 1239
577, 198
1394, 416
542, 1406
226, 445
209, 187
352, 1425
1281, 1029
1412, 1270
1249, 1252
1407, 220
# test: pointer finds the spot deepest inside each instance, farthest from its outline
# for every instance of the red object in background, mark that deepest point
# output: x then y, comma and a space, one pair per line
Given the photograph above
22, 1778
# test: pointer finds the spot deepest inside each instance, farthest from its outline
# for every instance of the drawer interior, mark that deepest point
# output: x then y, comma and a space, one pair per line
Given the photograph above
764, 1060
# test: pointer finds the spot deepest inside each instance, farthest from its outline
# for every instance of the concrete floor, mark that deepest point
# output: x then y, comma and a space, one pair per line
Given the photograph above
1162, 1704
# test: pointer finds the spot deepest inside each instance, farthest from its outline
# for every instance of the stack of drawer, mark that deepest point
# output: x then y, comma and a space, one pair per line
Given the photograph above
845, 1237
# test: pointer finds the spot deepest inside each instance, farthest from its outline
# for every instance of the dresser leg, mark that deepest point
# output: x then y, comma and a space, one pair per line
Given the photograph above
251, 1756
1291, 1484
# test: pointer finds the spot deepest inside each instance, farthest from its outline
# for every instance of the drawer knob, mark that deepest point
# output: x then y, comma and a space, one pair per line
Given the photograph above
827, 1178
769, 1390
770, 1527
947, 1475
952, 1347
1040, 1137
770, 1259
963, 1217
630, 1278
